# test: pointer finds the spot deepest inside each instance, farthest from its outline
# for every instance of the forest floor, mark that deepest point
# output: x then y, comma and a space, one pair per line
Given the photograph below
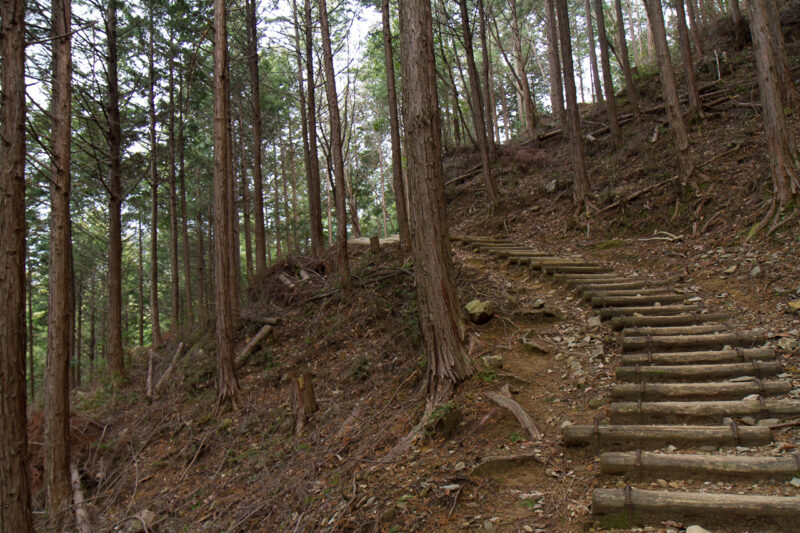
177, 464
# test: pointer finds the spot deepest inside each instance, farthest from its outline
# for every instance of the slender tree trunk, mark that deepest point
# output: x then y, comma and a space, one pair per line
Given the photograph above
255, 95
624, 57
16, 514
141, 286
487, 99
394, 129
328, 197
598, 93
31, 332
116, 364
316, 240
478, 119
235, 271
244, 193
783, 151
527, 99
439, 309
201, 270
286, 224
382, 179
293, 162
698, 40
336, 148
60, 308
506, 114
581, 180
655, 17
154, 313
686, 55
314, 199
492, 104
187, 258
554, 65
611, 99
175, 291
276, 213
227, 384
92, 331
78, 336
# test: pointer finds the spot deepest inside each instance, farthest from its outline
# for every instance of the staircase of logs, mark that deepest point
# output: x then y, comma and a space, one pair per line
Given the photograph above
685, 381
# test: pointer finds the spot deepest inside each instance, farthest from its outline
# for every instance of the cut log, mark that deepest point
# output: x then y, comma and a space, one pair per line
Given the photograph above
374, 245
696, 372
576, 269
611, 312
621, 412
517, 410
302, 400
82, 521
650, 299
698, 391
675, 330
594, 293
483, 239
571, 281
621, 285
653, 342
168, 372
544, 264
653, 436
502, 464
521, 252
678, 504
682, 465
255, 341
699, 358
687, 319
526, 260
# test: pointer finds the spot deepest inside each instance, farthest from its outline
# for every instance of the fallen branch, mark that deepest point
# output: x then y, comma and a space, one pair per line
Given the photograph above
468, 174
720, 156
245, 353
504, 400
82, 520
636, 195
168, 372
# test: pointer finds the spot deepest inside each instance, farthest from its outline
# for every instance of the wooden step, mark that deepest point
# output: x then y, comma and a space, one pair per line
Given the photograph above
686, 319
648, 299
697, 358
596, 293
662, 342
675, 330
709, 466
641, 412
698, 391
524, 261
572, 282
576, 269
650, 507
656, 373
565, 262
658, 436
629, 284
611, 312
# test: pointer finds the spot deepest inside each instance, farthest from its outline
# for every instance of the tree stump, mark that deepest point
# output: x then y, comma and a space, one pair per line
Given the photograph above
302, 400
374, 245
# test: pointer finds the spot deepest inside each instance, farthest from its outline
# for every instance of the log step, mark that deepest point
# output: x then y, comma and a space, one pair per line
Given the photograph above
621, 285
698, 391
646, 506
697, 358
648, 299
589, 294
662, 373
576, 269
675, 330
653, 342
572, 282
564, 262
611, 312
516, 260
643, 411
657, 436
677, 465
686, 319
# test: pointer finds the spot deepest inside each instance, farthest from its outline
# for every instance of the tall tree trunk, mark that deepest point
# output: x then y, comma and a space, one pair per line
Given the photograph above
285, 204
227, 384
255, 99
580, 183
16, 514
478, 119
394, 129
293, 162
598, 93
244, 193
60, 308
141, 285
487, 99
382, 178
439, 309
686, 55
328, 197
624, 57
116, 364
608, 82
554, 65
698, 40
492, 104
655, 17
276, 212
783, 152
187, 258
525, 88
31, 333
314, 199
336, 148
201, 270
78, 335
175, 291
93, 330
154, 313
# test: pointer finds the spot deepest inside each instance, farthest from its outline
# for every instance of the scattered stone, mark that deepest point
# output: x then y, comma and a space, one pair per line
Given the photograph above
671, 448
795, 482
696, 529
595, 322
662, 482
769, 422
755, 272
527, 528
488, 526
596, 402
597, 351
551, 187
787, 343
538, 304
451, 487
536, 345
729, 270
565, 424
492, 361
534, 496
480, 312
459, 466
707, 448
143, 522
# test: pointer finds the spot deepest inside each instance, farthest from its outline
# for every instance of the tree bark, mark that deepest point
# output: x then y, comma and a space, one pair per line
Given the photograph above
227, 383
580, 184
304, 123
16, 514
154, 314
598, 94
141, 284
608, 82
116, 365
187, 258
394, 129
439, 309
255, 99
527, 100
31, 333
314, 198
478, 119
336, 148
698, 40
60, 308
244, 193
175, 289
655, 17
554, 65
686, 55
487, 98
624, 57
